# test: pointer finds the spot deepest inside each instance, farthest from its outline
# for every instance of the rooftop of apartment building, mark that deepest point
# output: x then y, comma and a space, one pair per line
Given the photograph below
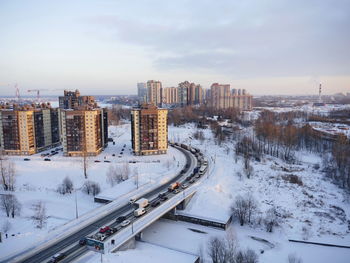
25, 107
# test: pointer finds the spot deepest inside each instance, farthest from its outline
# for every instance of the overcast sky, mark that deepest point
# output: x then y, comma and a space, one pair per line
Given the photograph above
106, 47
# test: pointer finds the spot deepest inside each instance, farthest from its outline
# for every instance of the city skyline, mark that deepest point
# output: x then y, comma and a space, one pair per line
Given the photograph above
108, 47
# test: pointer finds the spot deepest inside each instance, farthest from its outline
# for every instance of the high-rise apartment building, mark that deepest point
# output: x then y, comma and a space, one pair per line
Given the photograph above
194, 94
84, 131
170, 95
73, 99
154, 92
142, 92
222, 97
28, 129
83, 125
149, 130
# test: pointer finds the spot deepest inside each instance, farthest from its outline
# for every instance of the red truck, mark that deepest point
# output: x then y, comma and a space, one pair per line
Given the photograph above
173, 186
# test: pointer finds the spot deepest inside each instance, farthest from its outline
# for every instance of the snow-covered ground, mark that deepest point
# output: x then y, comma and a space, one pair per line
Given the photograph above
316, 211
38, 180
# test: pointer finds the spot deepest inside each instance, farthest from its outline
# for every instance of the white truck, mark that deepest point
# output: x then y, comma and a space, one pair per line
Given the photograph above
139, 212
203, 169
141, 203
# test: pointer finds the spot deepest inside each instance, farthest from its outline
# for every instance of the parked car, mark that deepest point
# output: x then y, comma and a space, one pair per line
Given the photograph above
26, 159
97, 161
176, 191
163, 198
47, 159
191, 181
113, 154
57, 257
125, 223
120, 219
107, 161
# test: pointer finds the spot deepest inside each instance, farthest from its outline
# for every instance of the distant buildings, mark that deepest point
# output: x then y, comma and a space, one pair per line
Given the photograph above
149, 130
73, 99
219, 96
28, 129
84, 126
154, 92
142, 92
222, 97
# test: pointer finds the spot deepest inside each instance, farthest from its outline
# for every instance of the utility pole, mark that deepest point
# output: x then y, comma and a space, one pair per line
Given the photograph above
76, 204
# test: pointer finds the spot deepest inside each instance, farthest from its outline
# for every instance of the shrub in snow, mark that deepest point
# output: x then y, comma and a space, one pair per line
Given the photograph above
66, 186
292, 258
6, 226
244, 208
248, 256
114, 175
39, 214
293, 179
270, 220
10, 205
91, 187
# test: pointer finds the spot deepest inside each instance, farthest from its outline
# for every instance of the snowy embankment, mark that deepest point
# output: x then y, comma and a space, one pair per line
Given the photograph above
38, 180
317, 210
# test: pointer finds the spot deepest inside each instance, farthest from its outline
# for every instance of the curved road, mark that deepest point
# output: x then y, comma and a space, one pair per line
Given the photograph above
75, 237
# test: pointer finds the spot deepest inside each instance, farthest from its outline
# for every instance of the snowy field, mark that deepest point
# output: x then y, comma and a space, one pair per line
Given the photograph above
38, 180
316, 211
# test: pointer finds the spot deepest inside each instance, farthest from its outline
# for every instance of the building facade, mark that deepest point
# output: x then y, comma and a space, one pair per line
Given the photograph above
154, 92
73, 99
28, 129
170, 96
84, 131
149, 130
222, 97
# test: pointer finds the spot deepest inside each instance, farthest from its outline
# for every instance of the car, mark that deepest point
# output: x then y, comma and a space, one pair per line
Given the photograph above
184, 186
155, 203
125, 223
43, 154
26, 159
176, 191
119, 156
82, 241
120, 219
188, 178
191, 181
107, 161
57, 257
47, 159
97, 161
113, 154
123, 150
132, 200
104, 229
198, 175
161, 195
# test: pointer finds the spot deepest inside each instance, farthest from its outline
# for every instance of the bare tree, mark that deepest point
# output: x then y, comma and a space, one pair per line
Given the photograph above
8, 173
66, 186
240, 209
91, 187
125, 171
248, 256
252, 206
10, 205
39, 216
270, 219
216, 250
136, 177
85, 160
292, 258
6, 226
114, 175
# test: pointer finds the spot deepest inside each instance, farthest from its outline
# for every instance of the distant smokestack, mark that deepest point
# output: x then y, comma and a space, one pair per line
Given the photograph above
319, 94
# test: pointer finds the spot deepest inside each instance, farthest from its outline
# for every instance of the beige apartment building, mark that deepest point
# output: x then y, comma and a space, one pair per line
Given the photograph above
222, 97
28, 129
84, 131
149, 130
154, 92
170, 95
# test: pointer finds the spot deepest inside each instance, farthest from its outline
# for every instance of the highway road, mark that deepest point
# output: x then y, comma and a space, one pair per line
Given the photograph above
73, 251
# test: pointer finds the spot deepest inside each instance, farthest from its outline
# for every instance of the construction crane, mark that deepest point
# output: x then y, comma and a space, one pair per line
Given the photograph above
17, 92
37, 92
